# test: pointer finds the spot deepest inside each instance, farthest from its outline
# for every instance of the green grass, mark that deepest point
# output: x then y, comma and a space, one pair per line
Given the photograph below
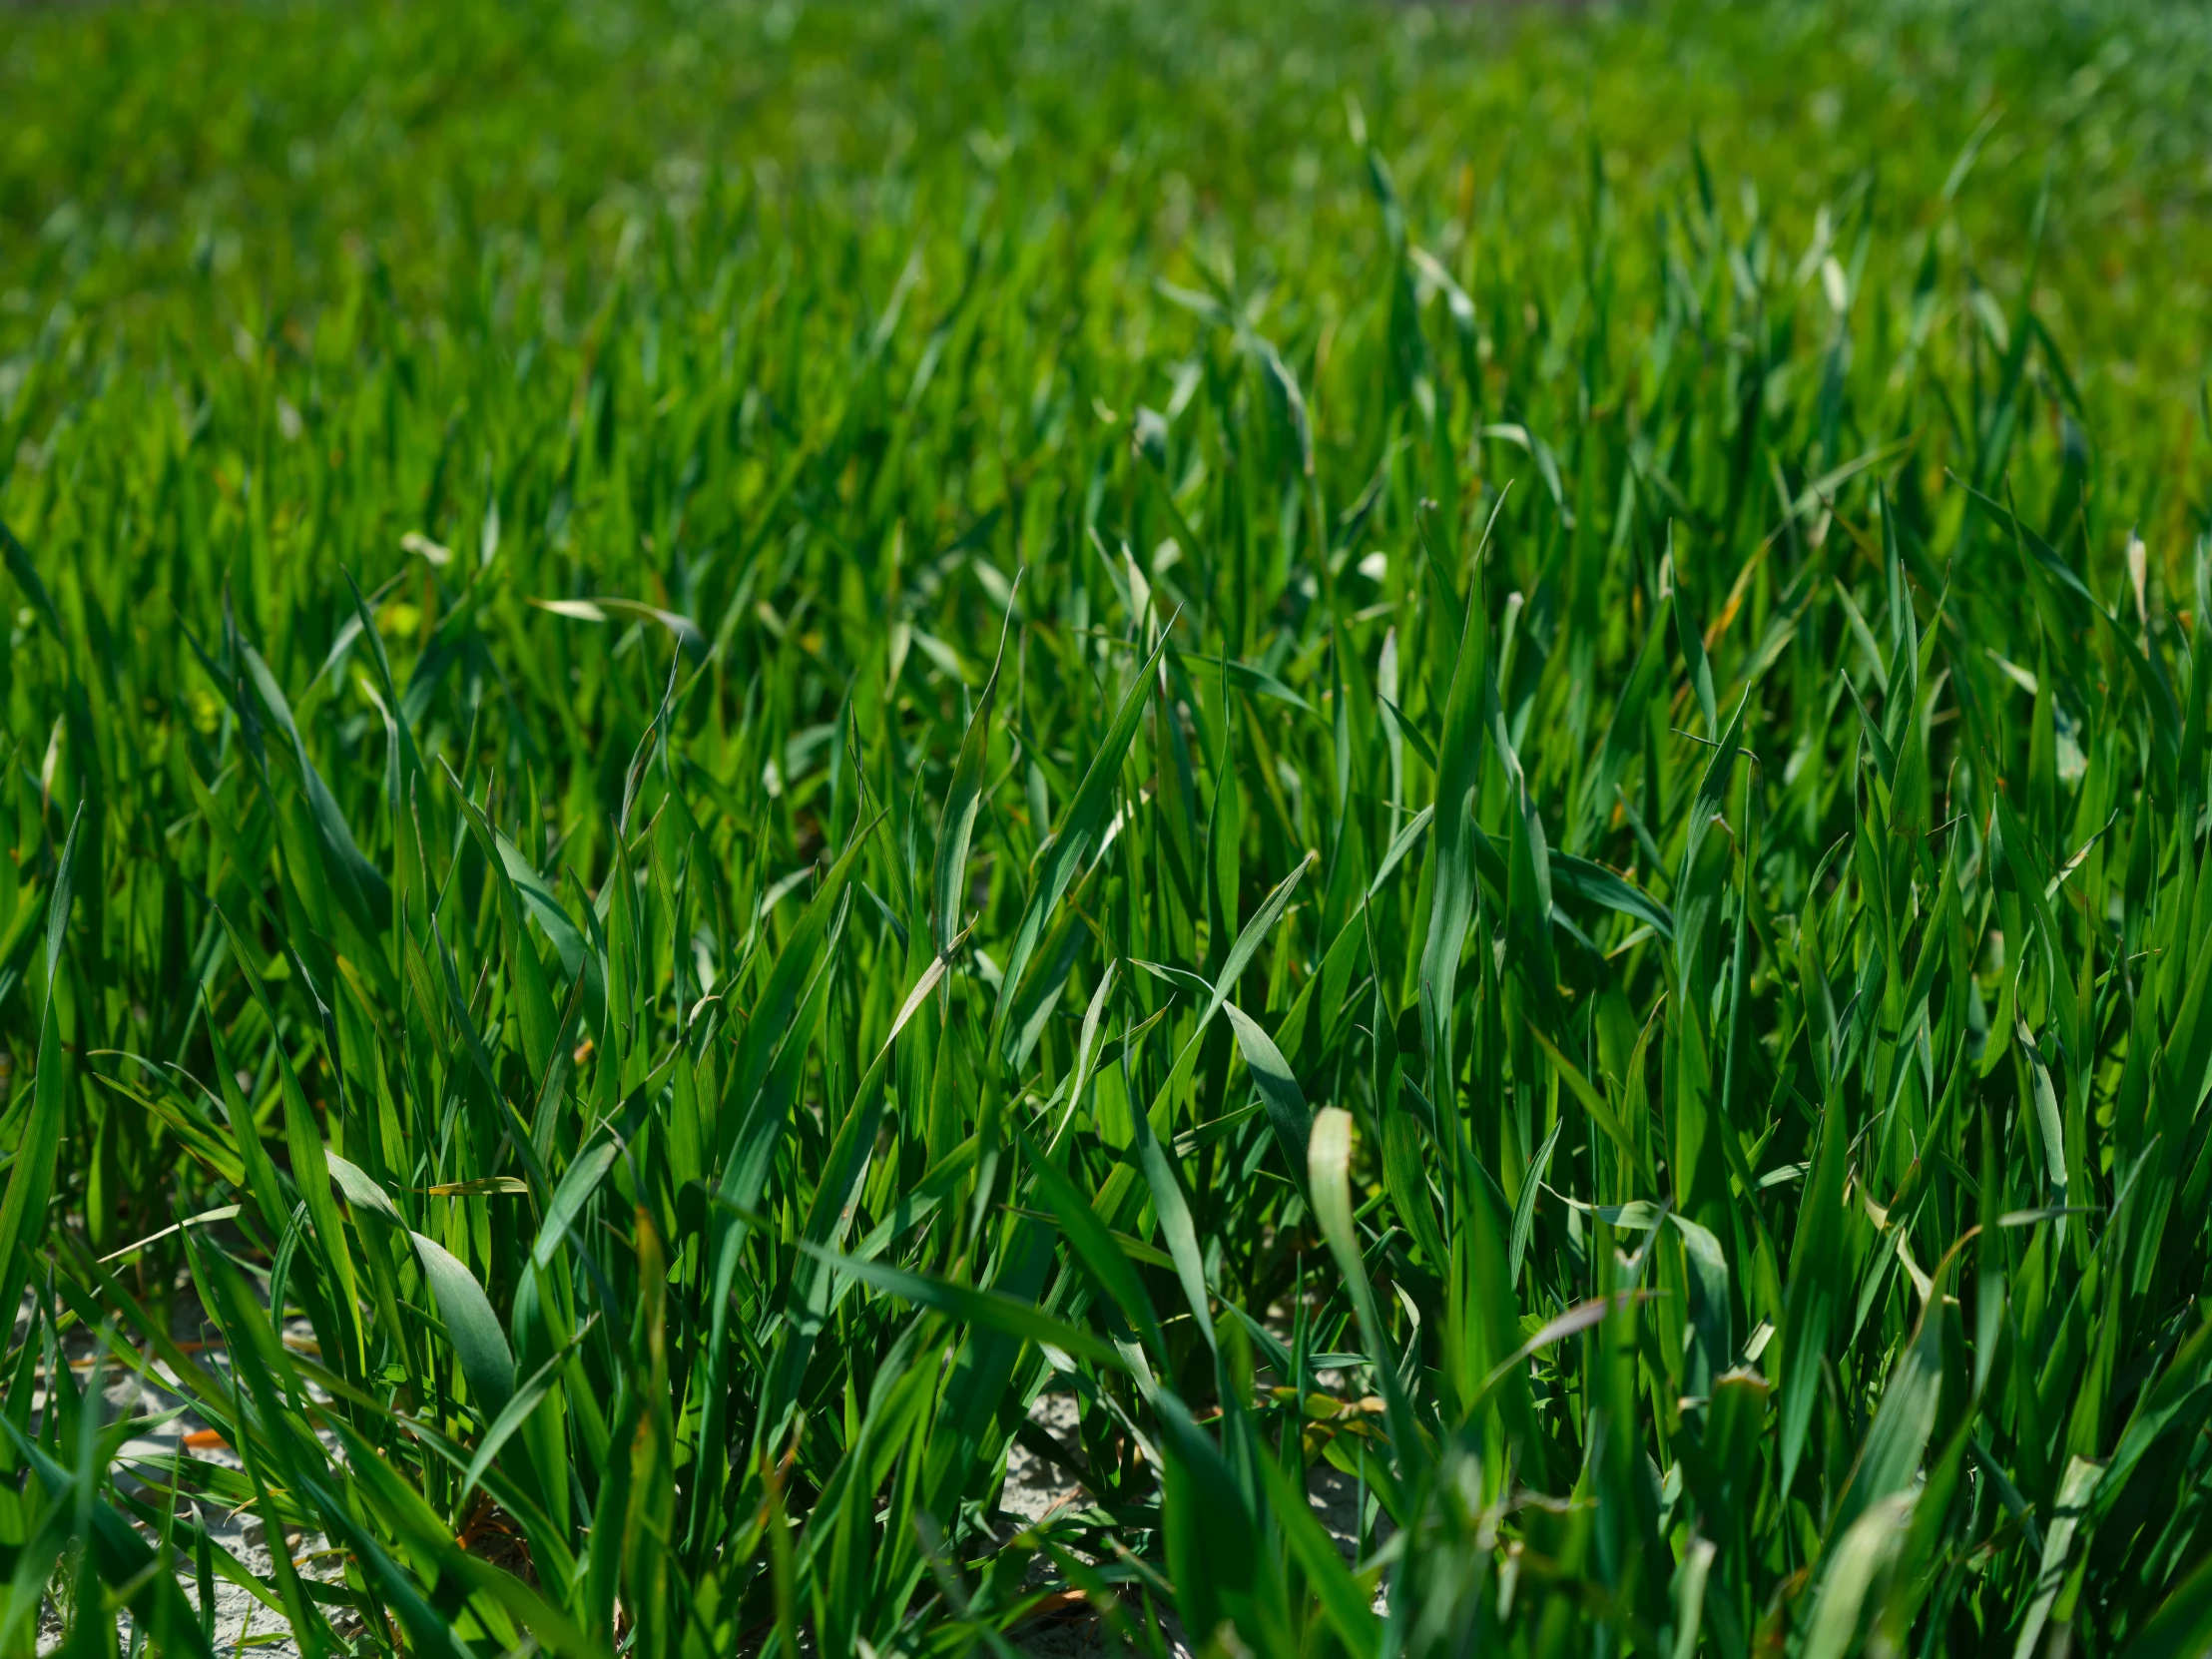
1460, 743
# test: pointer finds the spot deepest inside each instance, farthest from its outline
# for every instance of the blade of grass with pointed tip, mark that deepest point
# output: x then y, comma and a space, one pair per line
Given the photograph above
22, 1210
962, 800
1072, 839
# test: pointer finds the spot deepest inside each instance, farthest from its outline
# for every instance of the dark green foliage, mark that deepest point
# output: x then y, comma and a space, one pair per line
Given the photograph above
1458, 754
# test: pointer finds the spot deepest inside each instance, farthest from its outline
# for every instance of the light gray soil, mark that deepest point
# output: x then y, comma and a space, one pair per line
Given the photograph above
238, 1616
1034, 1490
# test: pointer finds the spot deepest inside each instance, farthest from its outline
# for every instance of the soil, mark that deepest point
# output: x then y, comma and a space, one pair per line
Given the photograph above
1066, 1627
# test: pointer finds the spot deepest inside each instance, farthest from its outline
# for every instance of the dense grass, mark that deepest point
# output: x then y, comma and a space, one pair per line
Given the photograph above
1463, 744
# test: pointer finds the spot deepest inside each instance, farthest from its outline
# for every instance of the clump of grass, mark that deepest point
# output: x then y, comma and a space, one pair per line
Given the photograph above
1431, 752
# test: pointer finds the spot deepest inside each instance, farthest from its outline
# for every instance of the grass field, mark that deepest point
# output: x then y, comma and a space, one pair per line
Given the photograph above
1450, 757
